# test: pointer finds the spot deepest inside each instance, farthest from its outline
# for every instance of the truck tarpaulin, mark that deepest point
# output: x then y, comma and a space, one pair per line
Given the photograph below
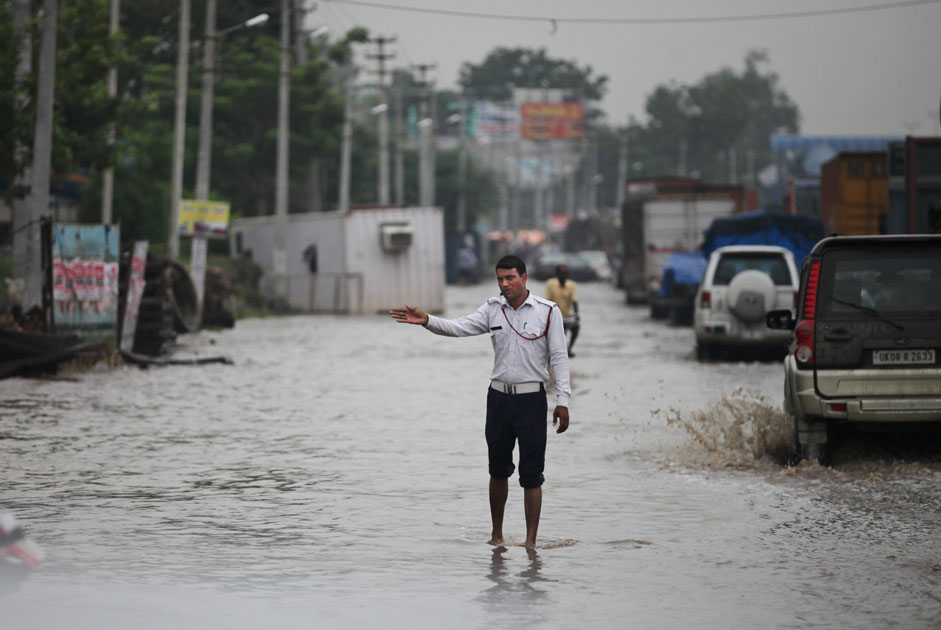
681, 268
797, 233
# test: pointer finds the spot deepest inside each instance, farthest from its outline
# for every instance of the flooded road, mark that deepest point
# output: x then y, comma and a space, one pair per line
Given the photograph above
336, 477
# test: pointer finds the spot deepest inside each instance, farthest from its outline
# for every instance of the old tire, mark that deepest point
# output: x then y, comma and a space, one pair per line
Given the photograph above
751, 296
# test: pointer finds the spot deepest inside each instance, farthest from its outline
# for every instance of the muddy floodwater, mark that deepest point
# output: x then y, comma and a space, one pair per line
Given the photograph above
336, 477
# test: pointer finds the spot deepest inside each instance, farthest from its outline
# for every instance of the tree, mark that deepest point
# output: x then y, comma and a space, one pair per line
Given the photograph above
724, 114
83, 110
503, 68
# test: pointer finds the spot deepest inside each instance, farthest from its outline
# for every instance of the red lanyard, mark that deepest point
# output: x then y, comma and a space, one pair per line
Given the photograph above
544, 333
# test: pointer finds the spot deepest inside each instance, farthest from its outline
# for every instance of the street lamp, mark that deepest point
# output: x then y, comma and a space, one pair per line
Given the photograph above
198, 247
204, 154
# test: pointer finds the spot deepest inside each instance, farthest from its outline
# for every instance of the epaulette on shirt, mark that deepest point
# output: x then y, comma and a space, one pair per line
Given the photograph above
544, 301
493, 300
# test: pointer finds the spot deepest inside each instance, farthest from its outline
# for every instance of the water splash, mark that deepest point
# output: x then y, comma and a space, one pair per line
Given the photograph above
740, 430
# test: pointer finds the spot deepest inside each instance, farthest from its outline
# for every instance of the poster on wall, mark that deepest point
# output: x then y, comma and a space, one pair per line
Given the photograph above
135, 291
85, 261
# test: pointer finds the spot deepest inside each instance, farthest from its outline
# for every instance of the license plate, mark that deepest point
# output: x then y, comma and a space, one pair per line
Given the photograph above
902, 357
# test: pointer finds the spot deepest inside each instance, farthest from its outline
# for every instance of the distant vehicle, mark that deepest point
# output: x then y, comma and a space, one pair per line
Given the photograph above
597, 260
659, 220
866, 348
741, 284
579, 268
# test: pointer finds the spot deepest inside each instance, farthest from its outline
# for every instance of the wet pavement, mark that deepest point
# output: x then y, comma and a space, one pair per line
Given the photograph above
336, 477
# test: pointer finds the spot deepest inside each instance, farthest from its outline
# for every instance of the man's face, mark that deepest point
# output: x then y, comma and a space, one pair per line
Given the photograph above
562, 273
512, 284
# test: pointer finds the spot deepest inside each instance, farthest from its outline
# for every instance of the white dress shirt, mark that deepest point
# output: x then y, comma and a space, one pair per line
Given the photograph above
522, 355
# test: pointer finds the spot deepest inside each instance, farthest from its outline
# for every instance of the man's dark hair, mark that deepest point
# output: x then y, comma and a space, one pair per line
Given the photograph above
512, 262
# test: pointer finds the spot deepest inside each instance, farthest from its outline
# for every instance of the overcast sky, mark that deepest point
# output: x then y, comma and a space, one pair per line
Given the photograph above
860, 73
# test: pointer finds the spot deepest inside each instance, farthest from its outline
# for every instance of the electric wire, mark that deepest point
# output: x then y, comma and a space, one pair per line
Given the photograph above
747, 17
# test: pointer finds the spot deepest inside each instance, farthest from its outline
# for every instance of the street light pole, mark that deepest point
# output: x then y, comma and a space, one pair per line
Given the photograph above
279, 262
179, 129
204, 153
207, 96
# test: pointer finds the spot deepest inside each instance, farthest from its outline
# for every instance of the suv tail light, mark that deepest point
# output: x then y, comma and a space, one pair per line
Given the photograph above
804, 331
705, 300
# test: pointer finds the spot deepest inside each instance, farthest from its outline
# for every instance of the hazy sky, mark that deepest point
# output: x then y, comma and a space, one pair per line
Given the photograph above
868, 73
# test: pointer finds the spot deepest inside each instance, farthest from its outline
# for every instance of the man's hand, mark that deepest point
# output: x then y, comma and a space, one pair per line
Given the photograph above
409, 315
560, 416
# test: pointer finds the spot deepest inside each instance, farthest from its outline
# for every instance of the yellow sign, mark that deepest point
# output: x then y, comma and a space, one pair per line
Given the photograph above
203, 218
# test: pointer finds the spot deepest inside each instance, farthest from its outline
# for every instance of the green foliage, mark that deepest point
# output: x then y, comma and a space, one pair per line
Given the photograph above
724, 110
16, 129
503, 68
481, 190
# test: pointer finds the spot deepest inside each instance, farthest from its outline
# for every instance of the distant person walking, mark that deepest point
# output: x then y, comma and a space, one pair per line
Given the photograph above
561, 290
527, 336
466, 265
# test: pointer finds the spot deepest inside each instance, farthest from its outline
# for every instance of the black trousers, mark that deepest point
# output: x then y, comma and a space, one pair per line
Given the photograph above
512, 418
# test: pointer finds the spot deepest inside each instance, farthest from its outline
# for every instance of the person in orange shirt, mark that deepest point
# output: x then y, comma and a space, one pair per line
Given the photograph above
561, 290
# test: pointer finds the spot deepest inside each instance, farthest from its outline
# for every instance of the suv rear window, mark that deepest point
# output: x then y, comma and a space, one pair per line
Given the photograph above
892, 280
730, 265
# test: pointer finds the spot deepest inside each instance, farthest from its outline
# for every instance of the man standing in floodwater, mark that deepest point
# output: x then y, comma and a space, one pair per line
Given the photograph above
527, 336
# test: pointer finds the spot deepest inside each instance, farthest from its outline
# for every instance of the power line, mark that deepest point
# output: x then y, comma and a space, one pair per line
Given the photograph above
747, 17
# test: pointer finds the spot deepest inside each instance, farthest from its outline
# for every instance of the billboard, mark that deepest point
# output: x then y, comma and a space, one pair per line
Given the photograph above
85, 262
203, 218
551, 121
494, 120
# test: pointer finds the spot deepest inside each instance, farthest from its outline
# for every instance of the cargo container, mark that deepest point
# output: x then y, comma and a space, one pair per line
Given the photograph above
854, 193
914, 186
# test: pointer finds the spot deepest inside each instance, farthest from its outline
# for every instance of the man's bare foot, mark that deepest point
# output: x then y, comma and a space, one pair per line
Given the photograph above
530, 545
496, 541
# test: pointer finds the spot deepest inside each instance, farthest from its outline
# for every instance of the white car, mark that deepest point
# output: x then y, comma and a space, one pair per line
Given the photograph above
741, 284
598, 261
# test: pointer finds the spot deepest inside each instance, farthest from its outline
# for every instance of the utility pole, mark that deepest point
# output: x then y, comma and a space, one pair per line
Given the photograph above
380, 57
733, 166
107, 183
179, 128
22, 214
42, 156
346, 151
462, 170
280, 260
622, 171
399, 146
426, 177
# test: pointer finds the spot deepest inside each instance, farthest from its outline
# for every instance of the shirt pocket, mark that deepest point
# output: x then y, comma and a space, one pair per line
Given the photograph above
498, 336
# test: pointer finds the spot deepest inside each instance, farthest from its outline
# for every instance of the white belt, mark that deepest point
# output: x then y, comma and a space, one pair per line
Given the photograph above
517, 388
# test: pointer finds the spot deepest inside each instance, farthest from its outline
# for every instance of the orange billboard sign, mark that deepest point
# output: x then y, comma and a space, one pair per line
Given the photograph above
551, 121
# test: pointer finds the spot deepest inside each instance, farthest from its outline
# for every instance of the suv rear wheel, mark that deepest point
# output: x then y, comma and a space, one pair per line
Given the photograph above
811, 437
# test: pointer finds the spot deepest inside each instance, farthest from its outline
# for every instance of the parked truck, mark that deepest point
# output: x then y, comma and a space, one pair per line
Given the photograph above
662, 217
854, 193
914, 182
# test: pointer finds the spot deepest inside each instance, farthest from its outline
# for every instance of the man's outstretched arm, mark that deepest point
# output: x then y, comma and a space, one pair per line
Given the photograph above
473, 324
409, 315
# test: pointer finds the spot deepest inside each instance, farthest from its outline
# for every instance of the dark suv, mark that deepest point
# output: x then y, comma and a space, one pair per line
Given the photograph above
867, 338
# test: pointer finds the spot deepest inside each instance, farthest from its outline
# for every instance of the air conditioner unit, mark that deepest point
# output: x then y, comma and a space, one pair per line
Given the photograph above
395, 237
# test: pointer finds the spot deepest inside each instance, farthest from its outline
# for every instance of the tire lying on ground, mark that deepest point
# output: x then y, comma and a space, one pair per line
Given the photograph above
751, 295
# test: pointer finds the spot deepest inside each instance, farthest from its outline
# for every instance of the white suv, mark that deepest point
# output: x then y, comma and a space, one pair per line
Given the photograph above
741, 284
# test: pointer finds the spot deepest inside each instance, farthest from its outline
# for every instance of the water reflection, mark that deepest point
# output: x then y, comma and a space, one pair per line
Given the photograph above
517, 593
